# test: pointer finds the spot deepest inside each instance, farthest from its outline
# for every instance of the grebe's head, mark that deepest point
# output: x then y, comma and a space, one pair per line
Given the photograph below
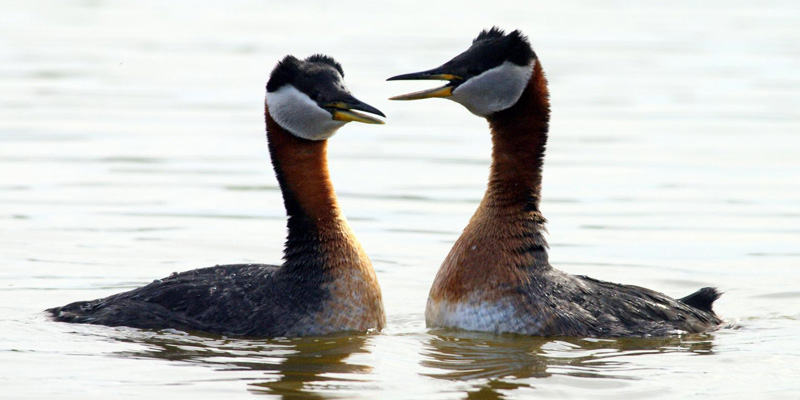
308, 98
489, 77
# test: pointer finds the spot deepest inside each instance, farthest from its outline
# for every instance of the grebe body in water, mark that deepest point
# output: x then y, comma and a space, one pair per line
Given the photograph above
497, 277
326, 283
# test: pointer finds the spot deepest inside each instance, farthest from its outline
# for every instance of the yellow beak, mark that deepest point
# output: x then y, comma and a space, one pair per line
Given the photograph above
434, 74
444, 91
354, 116
345, 111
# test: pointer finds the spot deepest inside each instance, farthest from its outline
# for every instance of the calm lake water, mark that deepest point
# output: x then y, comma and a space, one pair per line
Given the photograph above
132, 145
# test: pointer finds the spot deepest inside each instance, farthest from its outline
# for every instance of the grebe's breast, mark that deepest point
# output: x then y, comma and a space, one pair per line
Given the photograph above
354, 301
481, 284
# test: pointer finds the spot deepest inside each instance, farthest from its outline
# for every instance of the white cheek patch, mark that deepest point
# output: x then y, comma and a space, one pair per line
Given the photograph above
494, 90
294, 111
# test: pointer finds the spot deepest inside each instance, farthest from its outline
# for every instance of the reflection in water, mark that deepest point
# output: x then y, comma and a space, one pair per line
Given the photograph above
498, 363
301, 368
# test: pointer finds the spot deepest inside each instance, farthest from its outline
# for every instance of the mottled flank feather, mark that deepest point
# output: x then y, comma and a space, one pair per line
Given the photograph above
253, 300
554, 303
248, 300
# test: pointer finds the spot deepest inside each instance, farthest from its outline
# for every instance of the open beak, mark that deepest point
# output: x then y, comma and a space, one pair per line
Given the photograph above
345, 111
432, 74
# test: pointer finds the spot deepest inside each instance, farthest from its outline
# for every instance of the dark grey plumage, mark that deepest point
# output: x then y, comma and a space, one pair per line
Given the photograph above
576, 305
245, 300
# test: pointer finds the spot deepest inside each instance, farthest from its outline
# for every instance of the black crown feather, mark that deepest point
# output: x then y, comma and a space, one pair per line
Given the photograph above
291, 67
322, 58
515, 44
492, 33
283, 73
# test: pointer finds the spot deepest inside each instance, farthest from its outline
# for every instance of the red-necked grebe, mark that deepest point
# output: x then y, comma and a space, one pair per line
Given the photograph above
497, 277
326, 283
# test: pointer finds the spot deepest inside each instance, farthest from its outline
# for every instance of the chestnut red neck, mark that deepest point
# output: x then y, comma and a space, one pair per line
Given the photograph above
315, 225
519, 138
301, 167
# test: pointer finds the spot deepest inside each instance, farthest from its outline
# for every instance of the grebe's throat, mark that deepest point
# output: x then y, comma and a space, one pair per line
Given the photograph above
511, 202
316, 224
519, 138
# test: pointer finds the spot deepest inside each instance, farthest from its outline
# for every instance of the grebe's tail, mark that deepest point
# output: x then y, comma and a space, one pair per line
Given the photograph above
702, 299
